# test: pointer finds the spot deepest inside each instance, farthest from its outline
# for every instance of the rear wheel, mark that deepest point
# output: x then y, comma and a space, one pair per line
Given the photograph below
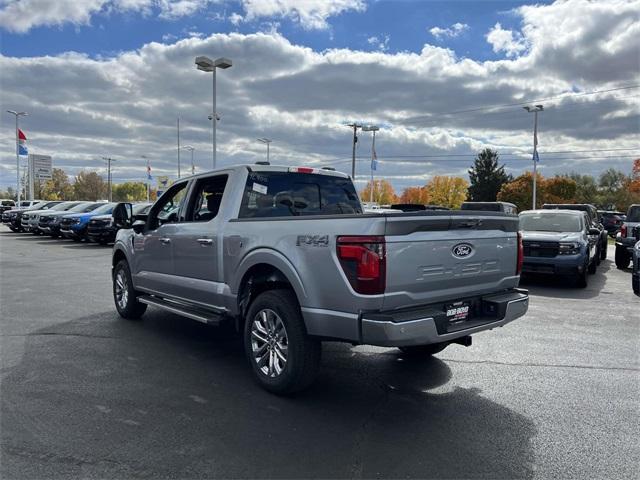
283, 358
424, 350
622, 258
603, 249
124, 295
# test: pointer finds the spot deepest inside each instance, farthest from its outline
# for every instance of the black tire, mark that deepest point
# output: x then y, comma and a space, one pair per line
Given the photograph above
130, 308
424, 350
13, 229
302, 351
623, 258
103, 242
603, 249
76, 239
582, 279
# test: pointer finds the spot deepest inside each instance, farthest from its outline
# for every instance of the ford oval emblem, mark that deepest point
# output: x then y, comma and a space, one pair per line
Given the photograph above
462, 250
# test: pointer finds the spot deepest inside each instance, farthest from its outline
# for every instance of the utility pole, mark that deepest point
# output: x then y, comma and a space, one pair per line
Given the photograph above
109, 160
538, 108
17, 114
148, 182
355, 127
193, 166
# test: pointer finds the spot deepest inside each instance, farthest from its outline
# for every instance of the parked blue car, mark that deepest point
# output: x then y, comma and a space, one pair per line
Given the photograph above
74, 226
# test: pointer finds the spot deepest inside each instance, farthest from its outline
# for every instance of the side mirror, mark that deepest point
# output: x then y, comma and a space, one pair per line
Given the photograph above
138, 226
122, 215
594, 231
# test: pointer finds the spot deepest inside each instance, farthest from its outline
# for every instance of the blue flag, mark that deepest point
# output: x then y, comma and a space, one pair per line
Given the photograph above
535, 156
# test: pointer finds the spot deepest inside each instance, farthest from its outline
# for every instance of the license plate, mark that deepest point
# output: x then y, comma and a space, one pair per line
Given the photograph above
458, 312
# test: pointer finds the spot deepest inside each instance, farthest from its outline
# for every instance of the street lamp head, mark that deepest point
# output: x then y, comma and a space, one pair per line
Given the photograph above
205, 64
265, 140
222, 62
539, 107
13, 112
210, 117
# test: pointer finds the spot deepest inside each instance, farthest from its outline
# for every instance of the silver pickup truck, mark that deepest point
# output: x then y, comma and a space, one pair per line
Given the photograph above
287, 254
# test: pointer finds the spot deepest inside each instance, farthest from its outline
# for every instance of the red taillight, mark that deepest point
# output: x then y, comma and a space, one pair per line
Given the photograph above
623, 231
302, 169
520, 254
363, 260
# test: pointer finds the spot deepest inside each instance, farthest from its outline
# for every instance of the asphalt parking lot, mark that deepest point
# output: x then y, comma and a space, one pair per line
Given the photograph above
86, 394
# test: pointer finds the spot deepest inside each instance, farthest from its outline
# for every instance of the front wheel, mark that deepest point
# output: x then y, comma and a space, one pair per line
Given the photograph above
124, 295
582, 280
283, 358
623, 258
424, 350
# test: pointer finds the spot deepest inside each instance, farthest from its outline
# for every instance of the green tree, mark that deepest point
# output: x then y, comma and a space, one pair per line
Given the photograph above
129, 192
586, 188
89, 186
487, 177
58, 187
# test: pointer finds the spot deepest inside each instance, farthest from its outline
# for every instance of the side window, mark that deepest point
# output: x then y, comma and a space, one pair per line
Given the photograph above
167, 208
206, 199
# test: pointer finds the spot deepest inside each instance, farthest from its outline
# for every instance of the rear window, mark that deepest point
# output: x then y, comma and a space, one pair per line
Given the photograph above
539, 222
285, 194
634, 214
7, 203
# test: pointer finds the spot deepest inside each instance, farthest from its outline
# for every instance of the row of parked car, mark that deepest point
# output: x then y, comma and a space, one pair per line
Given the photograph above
76, 220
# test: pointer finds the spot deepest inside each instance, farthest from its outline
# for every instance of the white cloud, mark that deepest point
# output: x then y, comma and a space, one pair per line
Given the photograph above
512, 44
22, 15
453, 31
311, 14
235, 18
125, 106
379, 43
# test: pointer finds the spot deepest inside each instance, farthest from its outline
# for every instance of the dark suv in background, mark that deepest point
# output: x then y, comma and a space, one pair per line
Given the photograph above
628, 236
611, 221
594, 218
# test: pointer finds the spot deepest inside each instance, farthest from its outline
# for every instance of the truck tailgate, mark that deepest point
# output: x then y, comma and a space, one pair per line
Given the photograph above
443, 256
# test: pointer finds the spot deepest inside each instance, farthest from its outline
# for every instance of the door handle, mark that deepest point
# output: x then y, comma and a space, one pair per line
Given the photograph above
205, 241
165, 241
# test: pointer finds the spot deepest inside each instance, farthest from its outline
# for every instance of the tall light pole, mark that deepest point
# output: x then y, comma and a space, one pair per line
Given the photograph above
17, 115
207, 65
191, 149
374, 157
266, 141
109, 160
355, 127
535, 110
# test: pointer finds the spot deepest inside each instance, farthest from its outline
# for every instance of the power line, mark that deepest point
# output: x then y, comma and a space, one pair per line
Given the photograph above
527, 102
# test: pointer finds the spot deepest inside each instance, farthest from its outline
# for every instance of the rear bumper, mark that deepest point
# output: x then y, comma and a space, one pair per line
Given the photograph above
558, 265
419, 326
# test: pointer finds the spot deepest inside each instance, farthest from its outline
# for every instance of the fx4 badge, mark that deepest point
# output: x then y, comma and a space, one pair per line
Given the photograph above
462, 250
313, 240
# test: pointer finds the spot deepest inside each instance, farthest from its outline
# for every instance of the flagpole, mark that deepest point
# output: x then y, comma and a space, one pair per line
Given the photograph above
17, 114
538, 108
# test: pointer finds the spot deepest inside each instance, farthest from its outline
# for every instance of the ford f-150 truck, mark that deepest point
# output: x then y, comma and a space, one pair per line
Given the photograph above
288, 256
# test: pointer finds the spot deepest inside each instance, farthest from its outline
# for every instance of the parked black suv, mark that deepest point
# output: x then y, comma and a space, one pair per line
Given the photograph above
593, 217
102, 229
611, 221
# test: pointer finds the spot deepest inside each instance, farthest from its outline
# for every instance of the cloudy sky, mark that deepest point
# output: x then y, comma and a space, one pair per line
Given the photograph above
442, 80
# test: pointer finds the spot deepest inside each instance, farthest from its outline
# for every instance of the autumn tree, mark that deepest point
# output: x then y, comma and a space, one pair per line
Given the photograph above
58, 187
89, 186
418, 195
129, 192
447, 191
520, 191
559, 190
634, 180
383, 192
487, 177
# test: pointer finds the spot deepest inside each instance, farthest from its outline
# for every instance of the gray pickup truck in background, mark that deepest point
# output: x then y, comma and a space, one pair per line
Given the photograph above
288, 256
